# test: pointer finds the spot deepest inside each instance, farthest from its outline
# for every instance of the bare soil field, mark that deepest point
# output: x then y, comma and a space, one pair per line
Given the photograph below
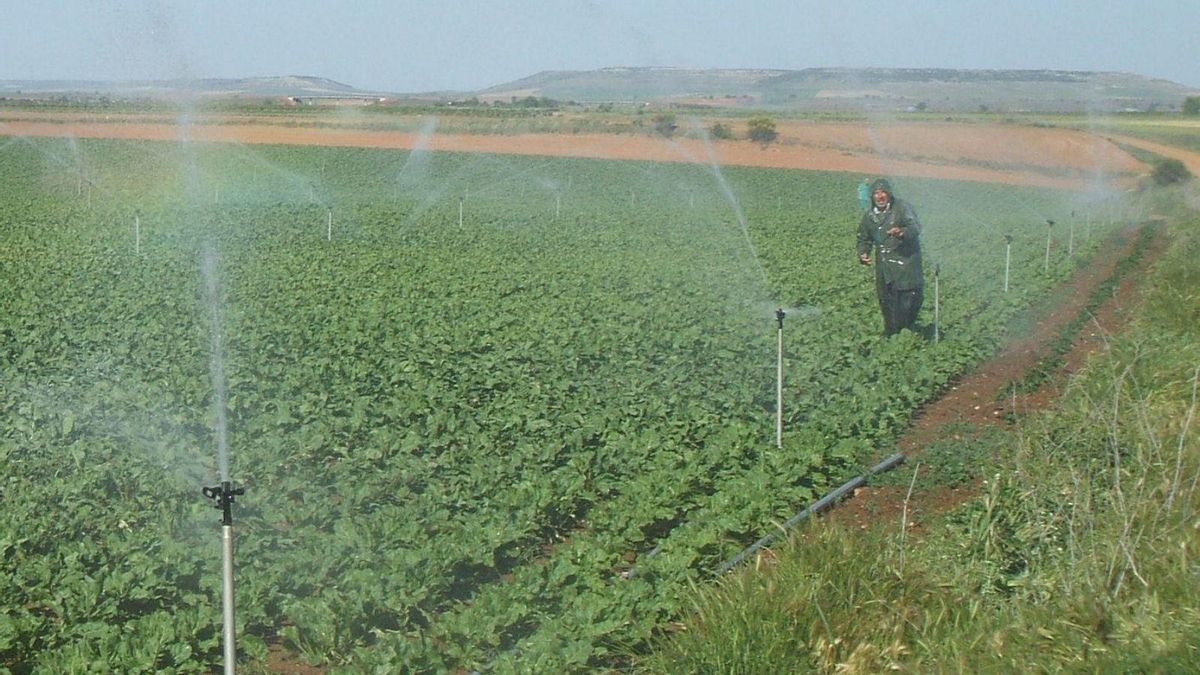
988, 152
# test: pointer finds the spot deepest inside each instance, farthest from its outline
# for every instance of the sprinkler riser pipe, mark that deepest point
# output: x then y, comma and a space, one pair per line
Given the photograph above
1007, 264
779, 396
227, 599
937, 300
779, 315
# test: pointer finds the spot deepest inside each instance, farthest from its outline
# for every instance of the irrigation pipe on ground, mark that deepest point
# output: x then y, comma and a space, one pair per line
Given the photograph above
820, 505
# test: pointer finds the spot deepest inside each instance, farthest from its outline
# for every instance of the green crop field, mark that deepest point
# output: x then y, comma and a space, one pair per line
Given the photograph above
465, 394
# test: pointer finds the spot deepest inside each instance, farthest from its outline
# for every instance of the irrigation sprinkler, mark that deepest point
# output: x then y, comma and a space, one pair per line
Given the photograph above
557, 205
223, 496
779, 314
937, 299
460, 211
329, 225
1007, 259
1049, 231
1087, 235
137, 235
1071, 236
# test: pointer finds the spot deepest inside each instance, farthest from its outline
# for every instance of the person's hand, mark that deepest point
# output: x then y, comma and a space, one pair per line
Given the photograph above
865, 258
896, 232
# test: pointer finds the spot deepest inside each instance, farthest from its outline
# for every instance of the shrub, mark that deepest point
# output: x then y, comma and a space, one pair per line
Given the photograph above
664, 123
720, 131
1169, 172
762, 130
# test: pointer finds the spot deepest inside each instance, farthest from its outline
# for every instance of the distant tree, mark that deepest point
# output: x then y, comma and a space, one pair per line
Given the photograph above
761, 130
664, 124
720, 131
1191, 105
1169, 172
922, 106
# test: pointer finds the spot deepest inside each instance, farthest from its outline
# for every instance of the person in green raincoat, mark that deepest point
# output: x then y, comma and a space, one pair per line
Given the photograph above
890, 232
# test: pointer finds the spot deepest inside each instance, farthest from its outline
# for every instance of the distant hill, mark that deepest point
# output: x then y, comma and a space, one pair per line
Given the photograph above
811, 89
285, 86
935, 89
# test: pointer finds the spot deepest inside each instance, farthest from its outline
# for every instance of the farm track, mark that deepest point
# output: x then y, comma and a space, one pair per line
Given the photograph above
982, 398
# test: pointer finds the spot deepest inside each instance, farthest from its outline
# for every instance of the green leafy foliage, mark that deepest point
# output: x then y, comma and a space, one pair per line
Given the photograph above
455, 438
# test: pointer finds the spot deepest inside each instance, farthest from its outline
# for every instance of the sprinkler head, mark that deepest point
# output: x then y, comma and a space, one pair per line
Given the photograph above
222, 496
1008, 238
779, 314
1049, 223
937, 270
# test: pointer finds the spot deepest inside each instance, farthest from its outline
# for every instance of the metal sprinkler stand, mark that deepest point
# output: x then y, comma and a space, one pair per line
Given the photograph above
937, 300
1007, 258
223, 496
779, 314
1049, 230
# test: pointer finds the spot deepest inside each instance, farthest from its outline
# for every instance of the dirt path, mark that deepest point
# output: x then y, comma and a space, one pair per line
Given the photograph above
987, 152
1189, 158
982, 398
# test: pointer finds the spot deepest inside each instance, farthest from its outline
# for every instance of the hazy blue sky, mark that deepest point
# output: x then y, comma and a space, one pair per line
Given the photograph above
405, 46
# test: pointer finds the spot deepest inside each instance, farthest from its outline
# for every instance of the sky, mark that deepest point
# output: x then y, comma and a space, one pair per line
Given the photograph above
401, 46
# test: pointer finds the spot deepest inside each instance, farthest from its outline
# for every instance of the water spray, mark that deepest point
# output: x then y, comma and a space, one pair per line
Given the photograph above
223, 496
1007, 258
779, 314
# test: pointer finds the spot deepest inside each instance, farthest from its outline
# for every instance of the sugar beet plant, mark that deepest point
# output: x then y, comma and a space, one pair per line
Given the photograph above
466, 393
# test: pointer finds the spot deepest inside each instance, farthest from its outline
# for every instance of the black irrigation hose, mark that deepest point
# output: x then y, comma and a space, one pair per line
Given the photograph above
820, 505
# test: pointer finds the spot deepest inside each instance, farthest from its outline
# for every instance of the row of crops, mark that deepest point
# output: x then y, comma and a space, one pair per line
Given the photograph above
465, 394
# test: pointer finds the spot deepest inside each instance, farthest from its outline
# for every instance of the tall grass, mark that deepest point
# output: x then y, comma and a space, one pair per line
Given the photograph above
1081, 551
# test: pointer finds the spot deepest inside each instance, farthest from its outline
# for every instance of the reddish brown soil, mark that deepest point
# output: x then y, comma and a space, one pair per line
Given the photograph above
989, 152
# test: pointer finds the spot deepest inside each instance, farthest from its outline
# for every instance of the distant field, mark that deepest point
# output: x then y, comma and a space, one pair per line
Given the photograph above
988, 148
1175, 131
